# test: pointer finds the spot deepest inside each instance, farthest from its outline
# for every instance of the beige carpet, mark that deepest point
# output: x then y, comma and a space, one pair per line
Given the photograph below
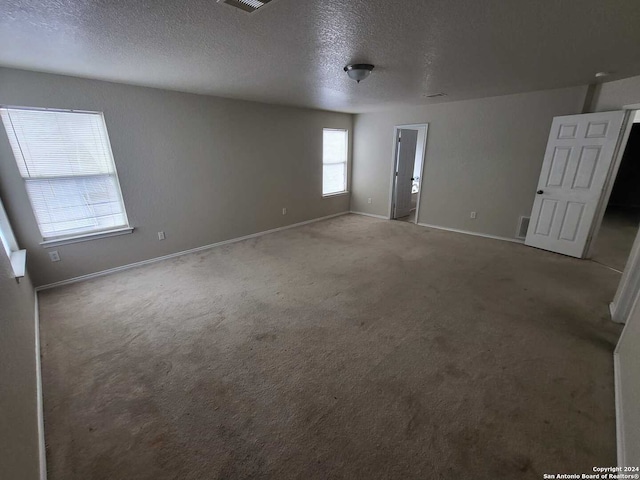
616, 236
353, 348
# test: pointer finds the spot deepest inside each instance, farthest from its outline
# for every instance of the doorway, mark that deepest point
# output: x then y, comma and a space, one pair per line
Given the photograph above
409, 151
619, 227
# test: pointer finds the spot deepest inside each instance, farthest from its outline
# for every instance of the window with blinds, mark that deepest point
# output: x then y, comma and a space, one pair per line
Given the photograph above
65, 159
334, 161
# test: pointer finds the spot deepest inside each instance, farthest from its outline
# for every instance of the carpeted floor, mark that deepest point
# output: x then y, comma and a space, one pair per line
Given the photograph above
352, 348
616, 236
409, 218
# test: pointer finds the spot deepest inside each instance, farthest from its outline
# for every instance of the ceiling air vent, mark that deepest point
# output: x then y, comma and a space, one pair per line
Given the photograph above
436, 95
246, 5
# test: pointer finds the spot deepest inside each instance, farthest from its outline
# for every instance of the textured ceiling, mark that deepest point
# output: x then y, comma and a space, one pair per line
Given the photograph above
293, 51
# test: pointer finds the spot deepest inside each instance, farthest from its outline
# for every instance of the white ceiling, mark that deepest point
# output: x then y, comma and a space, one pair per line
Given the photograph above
293, 51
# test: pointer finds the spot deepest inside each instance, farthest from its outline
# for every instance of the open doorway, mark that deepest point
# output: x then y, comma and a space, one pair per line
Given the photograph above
408, 163
621, 219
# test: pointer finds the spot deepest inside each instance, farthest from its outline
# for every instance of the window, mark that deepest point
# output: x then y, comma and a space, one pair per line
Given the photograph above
65, 159
334, 161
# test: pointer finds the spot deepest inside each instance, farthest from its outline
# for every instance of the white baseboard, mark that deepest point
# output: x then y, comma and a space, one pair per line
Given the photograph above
370, 215
476, 234
42, 452
619, 418
466, 232
184, 252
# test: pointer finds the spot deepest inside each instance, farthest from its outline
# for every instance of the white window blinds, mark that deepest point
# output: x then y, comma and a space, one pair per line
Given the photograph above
334, 161
66, 161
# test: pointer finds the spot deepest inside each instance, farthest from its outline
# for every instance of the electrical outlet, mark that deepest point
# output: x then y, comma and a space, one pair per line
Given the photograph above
160, 235
369, 200
54, 256
473, 215
284, 211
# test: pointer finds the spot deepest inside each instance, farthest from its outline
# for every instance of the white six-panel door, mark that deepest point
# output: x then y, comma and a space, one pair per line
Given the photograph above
408, 140
576, 164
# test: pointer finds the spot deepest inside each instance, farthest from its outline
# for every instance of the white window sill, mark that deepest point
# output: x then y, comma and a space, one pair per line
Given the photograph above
337, 194
54, 242
19, 263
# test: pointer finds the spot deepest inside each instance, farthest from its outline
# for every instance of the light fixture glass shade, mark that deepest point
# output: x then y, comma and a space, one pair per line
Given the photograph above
358, 71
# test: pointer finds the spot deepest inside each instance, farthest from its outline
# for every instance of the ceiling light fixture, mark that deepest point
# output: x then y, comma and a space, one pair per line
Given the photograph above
358, 71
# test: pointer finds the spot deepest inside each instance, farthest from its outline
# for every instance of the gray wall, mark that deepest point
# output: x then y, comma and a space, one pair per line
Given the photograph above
482, 155
202, 169
18, 404
615, 95
629, 385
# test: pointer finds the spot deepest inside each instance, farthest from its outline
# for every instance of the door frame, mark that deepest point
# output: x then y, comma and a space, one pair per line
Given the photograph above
621, 144
394, 164
629, 285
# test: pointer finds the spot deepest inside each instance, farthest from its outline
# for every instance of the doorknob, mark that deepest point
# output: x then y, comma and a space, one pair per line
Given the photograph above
540, 192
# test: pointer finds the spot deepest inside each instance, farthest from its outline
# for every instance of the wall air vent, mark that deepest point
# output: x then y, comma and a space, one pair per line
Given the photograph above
523, 226
246, 5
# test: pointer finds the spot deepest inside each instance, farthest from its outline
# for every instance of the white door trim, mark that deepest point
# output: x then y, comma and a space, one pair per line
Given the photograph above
617, 388
394, 161
625, 130
629, 285
42, 448
617, 378
424, 156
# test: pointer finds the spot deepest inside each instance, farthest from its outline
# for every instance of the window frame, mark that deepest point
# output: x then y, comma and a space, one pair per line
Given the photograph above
17, 257
52, 241
346, 164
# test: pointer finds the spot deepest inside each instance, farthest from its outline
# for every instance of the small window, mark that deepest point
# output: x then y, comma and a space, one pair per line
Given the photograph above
65, 159
334, 161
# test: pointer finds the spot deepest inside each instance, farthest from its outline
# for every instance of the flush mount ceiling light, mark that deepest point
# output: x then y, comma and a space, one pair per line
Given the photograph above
358, 71
246, 5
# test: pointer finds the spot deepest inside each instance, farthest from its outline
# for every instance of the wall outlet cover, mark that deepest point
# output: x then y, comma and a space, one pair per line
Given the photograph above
54, 256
